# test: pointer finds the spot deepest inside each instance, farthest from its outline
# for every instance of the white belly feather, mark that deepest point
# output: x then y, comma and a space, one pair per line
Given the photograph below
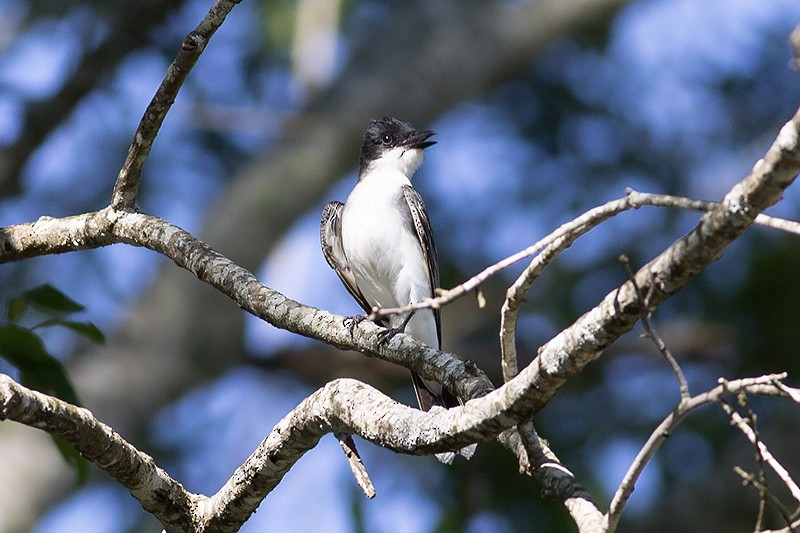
385, 257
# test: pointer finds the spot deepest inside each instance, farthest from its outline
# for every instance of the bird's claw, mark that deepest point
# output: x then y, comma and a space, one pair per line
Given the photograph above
351, 322
388, 334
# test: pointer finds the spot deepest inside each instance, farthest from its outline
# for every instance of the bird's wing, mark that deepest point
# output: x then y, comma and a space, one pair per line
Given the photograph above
330, 238
418, 219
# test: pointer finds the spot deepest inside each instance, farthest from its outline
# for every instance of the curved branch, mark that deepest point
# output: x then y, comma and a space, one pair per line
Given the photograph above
341, 406
155, 489
764, 385
550, 246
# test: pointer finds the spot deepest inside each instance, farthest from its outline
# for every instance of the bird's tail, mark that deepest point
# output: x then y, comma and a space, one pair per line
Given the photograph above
428, 399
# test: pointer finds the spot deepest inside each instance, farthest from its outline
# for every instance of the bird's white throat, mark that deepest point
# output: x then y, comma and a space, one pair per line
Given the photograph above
401, 159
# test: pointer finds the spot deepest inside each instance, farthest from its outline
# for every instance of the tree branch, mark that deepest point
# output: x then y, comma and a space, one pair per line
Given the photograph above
764, 385
127, 184
762, 450
341, 406
158, 493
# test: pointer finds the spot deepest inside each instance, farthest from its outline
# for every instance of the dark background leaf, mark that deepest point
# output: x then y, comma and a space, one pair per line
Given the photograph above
48, 298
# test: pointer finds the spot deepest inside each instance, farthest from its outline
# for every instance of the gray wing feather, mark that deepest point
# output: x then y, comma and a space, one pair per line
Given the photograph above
421, 225
330, 238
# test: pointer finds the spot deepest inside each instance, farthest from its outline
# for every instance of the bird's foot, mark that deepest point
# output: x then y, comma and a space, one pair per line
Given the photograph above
351, 322
388, 334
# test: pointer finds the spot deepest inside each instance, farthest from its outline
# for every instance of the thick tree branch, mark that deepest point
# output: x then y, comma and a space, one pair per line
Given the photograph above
155, 489
341, 406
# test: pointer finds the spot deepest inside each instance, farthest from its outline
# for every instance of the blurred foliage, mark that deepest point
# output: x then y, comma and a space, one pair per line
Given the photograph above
23, 348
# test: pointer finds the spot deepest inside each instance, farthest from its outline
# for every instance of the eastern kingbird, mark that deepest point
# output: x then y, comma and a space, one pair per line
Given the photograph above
380, 244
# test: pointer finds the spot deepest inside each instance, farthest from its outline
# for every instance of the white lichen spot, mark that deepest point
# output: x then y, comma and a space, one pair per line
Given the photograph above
788, 136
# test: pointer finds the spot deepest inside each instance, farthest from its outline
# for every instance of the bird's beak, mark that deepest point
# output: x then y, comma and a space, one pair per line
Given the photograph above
419, 139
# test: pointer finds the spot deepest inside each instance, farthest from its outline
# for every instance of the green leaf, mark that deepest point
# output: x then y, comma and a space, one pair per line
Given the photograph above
20, 346
39, 370
87, 329
16, 308
48, 298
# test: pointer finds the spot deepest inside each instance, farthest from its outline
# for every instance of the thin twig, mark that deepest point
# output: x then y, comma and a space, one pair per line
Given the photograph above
650, 331
750, 479
639, 199
741, 423
793, 393
761, 484
127, 184
356, 465
552, 245
762, 468
632, 200
765, 385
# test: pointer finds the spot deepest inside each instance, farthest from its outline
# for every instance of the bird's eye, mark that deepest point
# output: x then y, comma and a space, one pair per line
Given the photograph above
387, 139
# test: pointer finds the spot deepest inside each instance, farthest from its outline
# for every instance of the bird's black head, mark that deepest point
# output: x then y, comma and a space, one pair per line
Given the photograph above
387, 133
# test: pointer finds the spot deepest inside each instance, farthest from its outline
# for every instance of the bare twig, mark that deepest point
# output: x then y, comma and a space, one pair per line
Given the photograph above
761, 483
794, 394
639, 199
650, 331
552, 245
127, 184
356, 465
794, 527
765, 494
762, 451
765, 385
593, 217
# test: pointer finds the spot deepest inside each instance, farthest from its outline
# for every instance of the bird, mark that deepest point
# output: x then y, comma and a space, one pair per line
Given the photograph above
380, 244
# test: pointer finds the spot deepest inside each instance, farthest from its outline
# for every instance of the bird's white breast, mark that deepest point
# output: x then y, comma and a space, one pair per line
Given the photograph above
374, 236
383, 253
